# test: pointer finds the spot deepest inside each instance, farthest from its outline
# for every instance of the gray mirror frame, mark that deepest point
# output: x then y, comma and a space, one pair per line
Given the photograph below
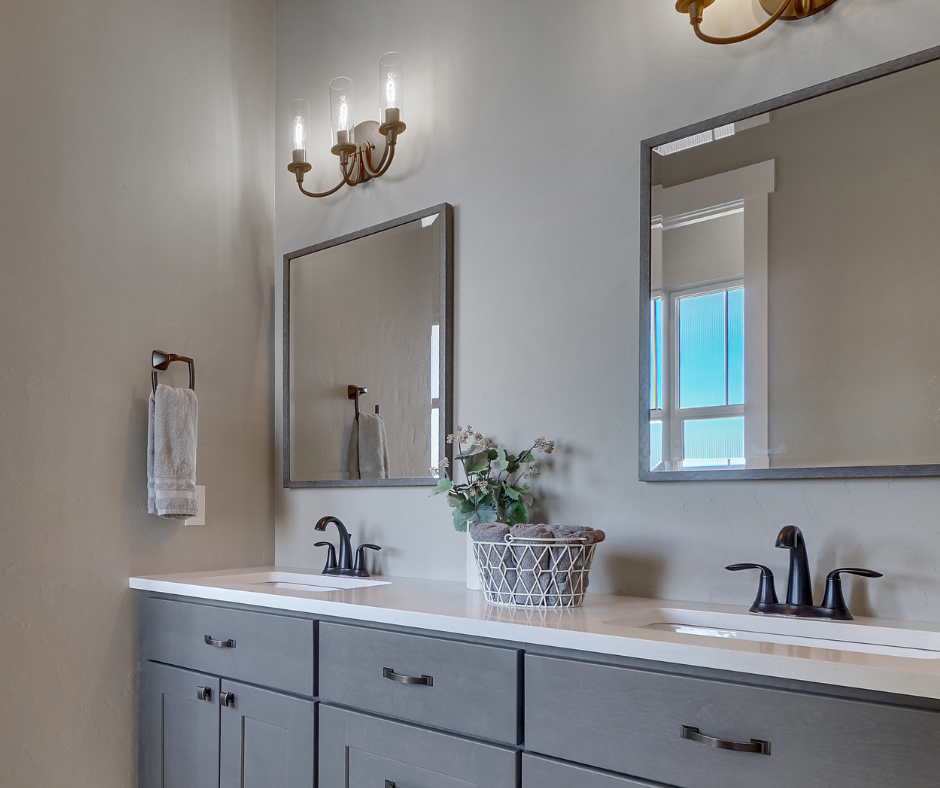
646, 148
446, 212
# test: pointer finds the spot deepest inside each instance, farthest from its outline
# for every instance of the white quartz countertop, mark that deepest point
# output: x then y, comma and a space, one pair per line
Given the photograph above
605, 625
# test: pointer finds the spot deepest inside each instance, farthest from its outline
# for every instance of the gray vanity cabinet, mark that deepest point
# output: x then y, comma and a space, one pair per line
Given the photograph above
631, 721
361, 751
219, 715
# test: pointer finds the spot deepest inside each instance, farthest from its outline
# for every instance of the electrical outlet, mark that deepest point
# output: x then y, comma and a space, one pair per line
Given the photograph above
200, 518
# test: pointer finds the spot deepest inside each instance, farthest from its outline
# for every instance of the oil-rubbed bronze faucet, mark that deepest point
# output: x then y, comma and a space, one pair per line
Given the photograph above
344, 565
799, 587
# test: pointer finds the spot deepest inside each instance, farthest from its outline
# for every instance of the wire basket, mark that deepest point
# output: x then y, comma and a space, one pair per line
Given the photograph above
534, 572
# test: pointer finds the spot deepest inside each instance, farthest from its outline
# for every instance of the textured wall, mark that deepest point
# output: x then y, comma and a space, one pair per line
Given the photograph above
136, 212
527, 116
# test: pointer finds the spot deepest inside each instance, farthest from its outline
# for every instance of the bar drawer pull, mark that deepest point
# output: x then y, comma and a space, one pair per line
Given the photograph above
218, 643
388, 673
754, 745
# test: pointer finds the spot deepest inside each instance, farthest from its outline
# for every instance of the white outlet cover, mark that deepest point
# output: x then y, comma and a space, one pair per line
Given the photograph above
200, 518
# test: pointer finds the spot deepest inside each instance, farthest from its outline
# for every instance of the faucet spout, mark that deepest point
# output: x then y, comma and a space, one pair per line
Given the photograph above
799, 585
345, 547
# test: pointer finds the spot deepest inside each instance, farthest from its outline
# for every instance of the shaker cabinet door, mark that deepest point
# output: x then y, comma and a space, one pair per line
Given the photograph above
267, 739
179, 728
361, 751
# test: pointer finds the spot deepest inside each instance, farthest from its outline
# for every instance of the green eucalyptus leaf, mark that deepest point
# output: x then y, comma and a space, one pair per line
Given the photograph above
516, 513
527, 457
511, 491
443, 485
476, 463
460, 520
499, 463
486, 514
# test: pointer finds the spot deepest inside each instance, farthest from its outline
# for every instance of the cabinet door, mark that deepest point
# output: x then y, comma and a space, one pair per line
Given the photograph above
179, 728
267, 739
361, 751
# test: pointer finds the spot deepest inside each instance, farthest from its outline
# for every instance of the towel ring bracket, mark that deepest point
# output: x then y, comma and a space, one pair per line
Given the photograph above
161, 361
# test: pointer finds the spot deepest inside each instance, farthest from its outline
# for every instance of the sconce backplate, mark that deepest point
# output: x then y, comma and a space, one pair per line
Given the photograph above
771, 6
368, 131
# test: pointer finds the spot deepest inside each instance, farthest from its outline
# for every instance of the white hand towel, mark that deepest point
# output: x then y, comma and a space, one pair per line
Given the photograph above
171, 453
367, 456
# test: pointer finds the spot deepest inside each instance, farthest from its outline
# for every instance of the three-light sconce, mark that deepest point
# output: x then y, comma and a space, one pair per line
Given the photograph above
354, 143
778, 9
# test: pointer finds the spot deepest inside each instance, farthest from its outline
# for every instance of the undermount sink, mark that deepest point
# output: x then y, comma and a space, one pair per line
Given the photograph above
301, 581
831, 635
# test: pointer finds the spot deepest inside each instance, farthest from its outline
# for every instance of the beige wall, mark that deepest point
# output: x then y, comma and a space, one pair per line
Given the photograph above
527, 116
361, 315
853, 274
136, 212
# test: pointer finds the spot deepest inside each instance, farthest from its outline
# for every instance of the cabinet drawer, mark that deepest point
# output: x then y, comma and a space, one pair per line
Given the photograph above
630, 721
462, 687
359, 751
543, 773
271, 650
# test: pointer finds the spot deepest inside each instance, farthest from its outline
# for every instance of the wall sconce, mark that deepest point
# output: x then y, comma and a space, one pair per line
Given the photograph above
787, 10
354, 143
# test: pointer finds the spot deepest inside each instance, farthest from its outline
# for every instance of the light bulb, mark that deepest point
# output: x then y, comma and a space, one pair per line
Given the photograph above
341, 110
300, 112
391, 92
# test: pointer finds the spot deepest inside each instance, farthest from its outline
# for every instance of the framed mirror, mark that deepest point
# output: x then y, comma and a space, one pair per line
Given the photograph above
368, 355
790, 284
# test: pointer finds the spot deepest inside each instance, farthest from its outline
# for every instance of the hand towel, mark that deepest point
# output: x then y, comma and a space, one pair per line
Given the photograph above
171, 453
367, 457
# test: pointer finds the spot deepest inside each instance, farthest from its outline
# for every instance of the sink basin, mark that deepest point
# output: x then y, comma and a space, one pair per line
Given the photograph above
855, 636
301, 581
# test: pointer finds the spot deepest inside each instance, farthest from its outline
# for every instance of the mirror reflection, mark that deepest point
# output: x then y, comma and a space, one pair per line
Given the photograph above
793, 286
367, 361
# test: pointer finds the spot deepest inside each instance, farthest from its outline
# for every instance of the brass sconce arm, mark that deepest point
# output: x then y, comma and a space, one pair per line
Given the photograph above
788, 9
302, 168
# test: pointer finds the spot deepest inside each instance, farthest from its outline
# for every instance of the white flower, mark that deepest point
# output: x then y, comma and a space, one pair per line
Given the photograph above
444, 463
544, 446
450, 438
531, 470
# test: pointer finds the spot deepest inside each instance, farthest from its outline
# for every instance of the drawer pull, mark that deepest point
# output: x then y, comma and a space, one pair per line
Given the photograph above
388, 673
754, 745
218, 643
204, 693
227, 699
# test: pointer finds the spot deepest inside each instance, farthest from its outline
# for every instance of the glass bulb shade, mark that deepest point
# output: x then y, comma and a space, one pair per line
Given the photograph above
341, 110
300, 124
391, 85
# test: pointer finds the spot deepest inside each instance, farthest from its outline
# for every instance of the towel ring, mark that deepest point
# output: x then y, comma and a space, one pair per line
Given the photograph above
161, 361
354, 392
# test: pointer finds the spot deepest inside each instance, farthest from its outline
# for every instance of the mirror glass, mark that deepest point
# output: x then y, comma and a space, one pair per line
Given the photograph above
793, 288
367, 355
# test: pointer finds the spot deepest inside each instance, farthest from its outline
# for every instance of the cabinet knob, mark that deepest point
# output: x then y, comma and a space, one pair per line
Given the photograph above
388, 783
227, 699
204, 693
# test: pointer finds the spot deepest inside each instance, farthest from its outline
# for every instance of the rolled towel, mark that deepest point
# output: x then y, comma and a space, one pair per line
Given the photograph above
171, 453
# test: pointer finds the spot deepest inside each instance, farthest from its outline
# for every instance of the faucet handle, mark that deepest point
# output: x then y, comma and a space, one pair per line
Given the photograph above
330, 556
766, 592
833, 599
360, 566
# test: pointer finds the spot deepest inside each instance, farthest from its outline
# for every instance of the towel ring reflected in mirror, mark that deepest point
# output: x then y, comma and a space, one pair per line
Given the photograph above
370, 313
162, 361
